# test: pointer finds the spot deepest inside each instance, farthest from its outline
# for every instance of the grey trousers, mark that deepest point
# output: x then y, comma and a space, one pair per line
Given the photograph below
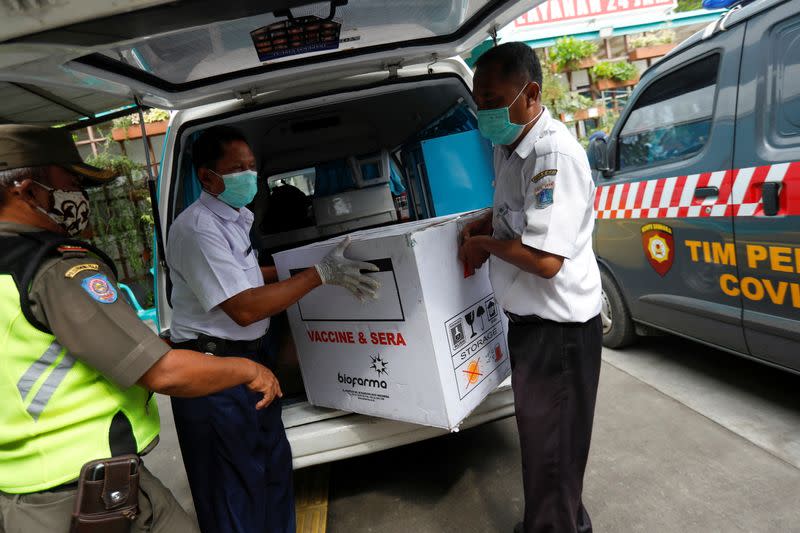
50, 512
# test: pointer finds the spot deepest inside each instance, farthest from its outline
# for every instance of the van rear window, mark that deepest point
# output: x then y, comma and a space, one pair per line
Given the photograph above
672, 118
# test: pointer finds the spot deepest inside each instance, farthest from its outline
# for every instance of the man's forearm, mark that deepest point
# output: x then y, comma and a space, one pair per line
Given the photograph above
189, 374
523, 257
259, 303
270, 274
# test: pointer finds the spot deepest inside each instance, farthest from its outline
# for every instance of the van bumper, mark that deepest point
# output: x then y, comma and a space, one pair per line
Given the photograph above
323, 435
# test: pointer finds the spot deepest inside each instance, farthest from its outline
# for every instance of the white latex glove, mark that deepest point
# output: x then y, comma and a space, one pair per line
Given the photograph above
336, 269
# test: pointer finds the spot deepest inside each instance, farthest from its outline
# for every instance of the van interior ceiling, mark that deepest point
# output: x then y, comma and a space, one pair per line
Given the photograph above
357, 126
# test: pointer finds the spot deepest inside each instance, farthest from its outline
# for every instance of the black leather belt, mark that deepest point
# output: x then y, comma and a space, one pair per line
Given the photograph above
536, 319
217, 346
526, 319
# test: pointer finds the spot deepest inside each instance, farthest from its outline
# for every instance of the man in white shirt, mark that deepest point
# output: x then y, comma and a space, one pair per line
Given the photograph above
538, 241
237, 458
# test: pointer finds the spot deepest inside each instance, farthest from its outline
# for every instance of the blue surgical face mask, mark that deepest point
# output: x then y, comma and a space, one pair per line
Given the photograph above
240, 188
496, 125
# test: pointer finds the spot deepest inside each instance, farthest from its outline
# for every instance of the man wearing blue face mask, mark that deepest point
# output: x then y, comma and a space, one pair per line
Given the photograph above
538, 241
237, 459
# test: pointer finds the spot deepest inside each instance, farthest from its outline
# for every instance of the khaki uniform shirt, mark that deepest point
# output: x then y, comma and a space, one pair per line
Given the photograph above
109, 337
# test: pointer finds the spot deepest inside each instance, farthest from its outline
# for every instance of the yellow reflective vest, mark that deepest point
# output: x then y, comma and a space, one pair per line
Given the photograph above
58, 413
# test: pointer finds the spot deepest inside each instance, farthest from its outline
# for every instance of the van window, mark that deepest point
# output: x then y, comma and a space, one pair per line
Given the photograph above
289, 201
671, 120
303, 180
786, 48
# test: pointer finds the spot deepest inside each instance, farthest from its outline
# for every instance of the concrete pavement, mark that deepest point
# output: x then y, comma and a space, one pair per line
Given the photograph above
655, 465
687, 439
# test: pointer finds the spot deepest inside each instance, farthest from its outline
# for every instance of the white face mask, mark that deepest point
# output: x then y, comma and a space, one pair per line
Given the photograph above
70, 209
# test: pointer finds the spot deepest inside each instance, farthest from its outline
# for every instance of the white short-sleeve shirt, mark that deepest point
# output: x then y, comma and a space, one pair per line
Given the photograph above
211, 260
544, 194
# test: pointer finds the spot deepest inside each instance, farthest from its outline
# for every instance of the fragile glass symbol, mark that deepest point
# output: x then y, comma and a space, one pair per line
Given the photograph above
470, 318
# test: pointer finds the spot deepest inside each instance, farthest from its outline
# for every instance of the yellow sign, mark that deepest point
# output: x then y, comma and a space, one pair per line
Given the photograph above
782, 259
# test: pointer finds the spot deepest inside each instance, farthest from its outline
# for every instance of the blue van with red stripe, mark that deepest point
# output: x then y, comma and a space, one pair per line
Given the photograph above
698, 198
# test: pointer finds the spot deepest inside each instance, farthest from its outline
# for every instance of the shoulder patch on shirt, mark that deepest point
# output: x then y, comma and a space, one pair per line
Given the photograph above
543, 195
100, 288
74, 271
543, 174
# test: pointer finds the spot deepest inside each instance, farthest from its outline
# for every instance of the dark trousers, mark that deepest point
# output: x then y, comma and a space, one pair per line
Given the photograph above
555, 371
238, 460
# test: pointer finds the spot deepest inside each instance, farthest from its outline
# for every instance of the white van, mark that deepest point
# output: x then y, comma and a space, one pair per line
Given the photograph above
310, 84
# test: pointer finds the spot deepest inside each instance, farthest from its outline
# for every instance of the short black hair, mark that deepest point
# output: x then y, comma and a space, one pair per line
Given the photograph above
209, 148
516, 60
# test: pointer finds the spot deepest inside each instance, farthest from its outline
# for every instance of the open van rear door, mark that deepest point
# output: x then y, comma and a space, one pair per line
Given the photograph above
183, 54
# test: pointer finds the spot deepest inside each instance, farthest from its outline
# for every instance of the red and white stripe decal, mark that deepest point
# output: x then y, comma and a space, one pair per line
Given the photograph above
739, 194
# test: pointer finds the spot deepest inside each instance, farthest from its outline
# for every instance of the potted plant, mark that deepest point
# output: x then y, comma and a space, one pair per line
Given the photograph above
568, 106
575, 107
650, 45
570, 53
155, 123
553, 90
589, 112
614, 75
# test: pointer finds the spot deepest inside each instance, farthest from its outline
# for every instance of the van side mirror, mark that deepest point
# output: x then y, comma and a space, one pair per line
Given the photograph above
598, 155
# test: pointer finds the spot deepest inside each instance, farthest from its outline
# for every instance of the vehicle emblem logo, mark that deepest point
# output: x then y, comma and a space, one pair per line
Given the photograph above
659, 247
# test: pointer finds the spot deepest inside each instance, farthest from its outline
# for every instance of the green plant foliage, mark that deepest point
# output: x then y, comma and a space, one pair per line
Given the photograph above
606, 124
123, 122
653, 39
121, 165
688, 5
575, 102
554, 89
615, 70
568, 51
121, 219
558, 98
155, 115
150, 116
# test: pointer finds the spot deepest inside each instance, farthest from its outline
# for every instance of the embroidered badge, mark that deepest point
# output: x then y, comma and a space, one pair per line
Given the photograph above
543, 195
100, 289
74, 271
659, 247
543, 174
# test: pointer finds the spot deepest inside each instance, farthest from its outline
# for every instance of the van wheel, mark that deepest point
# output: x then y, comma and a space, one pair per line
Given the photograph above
618, 328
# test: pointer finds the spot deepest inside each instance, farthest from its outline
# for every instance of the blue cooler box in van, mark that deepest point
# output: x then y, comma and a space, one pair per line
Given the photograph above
450, 174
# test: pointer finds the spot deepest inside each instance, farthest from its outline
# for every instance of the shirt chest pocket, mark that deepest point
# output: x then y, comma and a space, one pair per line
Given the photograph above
246, 259
509, 223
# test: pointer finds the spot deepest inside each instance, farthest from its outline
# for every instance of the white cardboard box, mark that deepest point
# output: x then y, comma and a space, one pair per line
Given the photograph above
428, 350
